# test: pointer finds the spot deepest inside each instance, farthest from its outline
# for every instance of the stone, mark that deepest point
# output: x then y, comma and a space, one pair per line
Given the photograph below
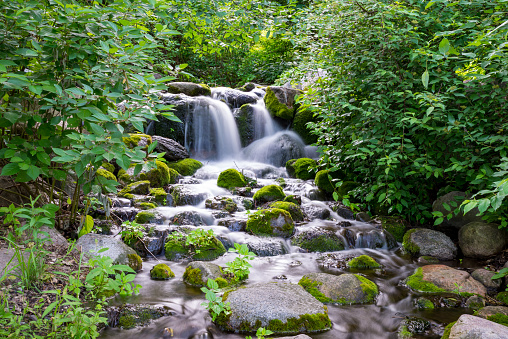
441, 278
280, 102
344, 289
197, 273
481, 240
161, 272
172, 149
234, 98
89, 244
188, 88
276, 149
188, 195
492, 310
268, 193
485, 277
302, 168
231, 178
187, 218
245, 121
425, 242
471, 327
475, 302
221, 203
302, 117
292, 208
130, 316
316, 211
281, 307
317, 239
271, 222
358, 236
233, 224
459, 220
54, 238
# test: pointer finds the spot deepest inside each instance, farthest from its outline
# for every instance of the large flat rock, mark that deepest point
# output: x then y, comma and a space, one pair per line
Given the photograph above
90, 244
451, 279
471, 327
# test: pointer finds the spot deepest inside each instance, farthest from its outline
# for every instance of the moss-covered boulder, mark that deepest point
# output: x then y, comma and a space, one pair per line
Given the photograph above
189, 88
160, 195
268, 193
186, 167
108, 167
106, 174
344, 289
204, 250
161, 272
130, 316
425, 242
138, 187
345, 188
271, 222
277, 306
318, 240
231, 178
396, 226
135, 262
197, 274
323, 182
221, 203
244, 118
280, 102
302, 117
295, 199
301, 168
145, 217
138, 139
147, 206
159, 176
363, 262
424, 304
292, 208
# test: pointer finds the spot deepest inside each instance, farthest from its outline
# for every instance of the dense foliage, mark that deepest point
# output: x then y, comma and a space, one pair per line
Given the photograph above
413, 101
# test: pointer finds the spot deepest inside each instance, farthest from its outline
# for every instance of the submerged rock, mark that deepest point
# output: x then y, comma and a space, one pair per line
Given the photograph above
277, 306
422, 241
317, 239
130, 316
481, 240
471, 327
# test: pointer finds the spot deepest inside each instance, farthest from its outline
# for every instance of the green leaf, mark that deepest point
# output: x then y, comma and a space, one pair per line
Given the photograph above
27, 52
33, 172
429, 5
10, 169
87, 226
75, 90
483, 205
470, 205
444, 46
425, 79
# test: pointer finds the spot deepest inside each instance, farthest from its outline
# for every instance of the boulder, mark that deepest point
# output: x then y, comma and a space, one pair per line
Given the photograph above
186, 166
161, 272
271, 222
187, 218
316, 211
292, 208
172, 150
471, 327
485, 277
159, 176
489, 311
244, 118
187, 195
441, 278
363, 236
268, 193
53, 237
175, 249
276, 149
221, 203
183, 106
453, 200
230, 179
481, 240
280, 102
130, 316
425, 242
234, 98
317, 239
89, 244
277, 306
302, 168
344, 289
197, 273
302, 117
188, 88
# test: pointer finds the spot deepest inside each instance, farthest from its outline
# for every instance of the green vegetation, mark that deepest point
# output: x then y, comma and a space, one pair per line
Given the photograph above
138, 187
215, 304
409, 246
503, 297
369, 288
144, 217
159, 176
424, 304
320, 242
302, 168
239, 268
268, 223
160, 195
133, 140
231, 178
447, 330
499, 318
135, 262
324, 181
363, 262
268, 193
292, 208
186, 166
147, 205
197, 244
161, 272
417, 283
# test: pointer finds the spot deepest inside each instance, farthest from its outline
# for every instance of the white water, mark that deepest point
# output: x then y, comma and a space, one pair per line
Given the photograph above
264, 125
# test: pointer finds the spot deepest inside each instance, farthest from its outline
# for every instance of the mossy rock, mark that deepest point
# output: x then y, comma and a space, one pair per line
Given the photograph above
159, 176
277, 108
292, 208
221, 203
197, 274
447, 330
106, 174
189, 88
144, 217
186, 167
499, 318
301, 168
411, 326
363, 262
131, 316
108, 167
135, 262
318, 240
268, 193
323, 182
161, 272
160, 195
424, 304
295, 199
147, 205
345, 289
281, 182
271, 222
138, 187
231, 178
176, 249
416, 283
502, 297
134, 140
396, 226
302, 117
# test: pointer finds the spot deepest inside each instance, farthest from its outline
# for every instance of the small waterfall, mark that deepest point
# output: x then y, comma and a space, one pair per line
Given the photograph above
264, 125
276, 149
211, 132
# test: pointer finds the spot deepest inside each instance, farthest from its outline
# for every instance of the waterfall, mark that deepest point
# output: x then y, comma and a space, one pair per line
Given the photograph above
275, 149
264, 125
211, 132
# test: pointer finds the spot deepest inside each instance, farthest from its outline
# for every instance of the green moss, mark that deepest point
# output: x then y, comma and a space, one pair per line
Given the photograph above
176, 249
363, 261
134, 139
424, 303
108, 167
291, 198
137, 316
417, 283
231, 178
499, 318
147, 205
292, 208
193, 276
144, 217
159, 176
302, 117
186, 166
289, 168
259, 223
302, 168
210, 252
369, 288
127, 321
268, 193
311, 286
503, 297
394, 225
318, 243
221, 282
138, 187
106, 174
408, 245
345, 188
281, 182
135, 262
160, 195
323, 182
161, 272
447, 330
276, 108
404, 333
192, 90
124, 177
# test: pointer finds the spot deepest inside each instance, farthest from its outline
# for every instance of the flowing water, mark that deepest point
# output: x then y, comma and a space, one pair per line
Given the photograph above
214, 133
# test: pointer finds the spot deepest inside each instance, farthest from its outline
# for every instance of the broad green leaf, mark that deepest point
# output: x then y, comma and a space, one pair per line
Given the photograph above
87, 226
444, 46
10, 169
425, 79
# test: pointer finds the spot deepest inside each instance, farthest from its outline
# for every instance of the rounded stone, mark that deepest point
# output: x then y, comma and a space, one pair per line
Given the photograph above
197, 273
481, 240
451, 199
471, 327
90, 244
485, 277
425, 242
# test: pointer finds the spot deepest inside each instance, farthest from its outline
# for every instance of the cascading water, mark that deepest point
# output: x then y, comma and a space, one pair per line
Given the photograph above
264, 125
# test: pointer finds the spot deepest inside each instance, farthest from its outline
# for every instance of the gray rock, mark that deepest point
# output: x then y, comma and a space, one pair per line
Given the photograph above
276, 150
186, 195
314, 211
285, 96
244, 118
475, 302
8, 260
187, 218
234, 98
491, 310
172, 149
485, 277
345, 289
459, 220
430, 243
121, 202
153, 241
234, 224
471, 327
89, 244
481, 240
207, 271
266, 247
183, 106
130, 316
221, 203
265, 302
53, 237
125, 213
188, 88
317, 239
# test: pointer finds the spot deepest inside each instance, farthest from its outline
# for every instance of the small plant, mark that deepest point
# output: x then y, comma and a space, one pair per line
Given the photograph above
215, 304
195, 239
131, 231
261, 333
501, 274
240, 267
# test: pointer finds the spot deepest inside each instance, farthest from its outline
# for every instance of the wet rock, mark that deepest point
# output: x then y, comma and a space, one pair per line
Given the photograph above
295, 199
149, 217
197, 273
243, 191
300, 336
481, 240
441, 278
221, 203
234, 98
363, 216
454, 199
234, 224
422, 241
276, 149
367, 237
125, 213
475, 302
317, 239
90, 244
271, 222
412, 325
342, 210
183, 106
130, 316
278, 306
187, 218
184, 195
188, 88
176, 248
471, 327
244, 118
120, 202
268, 193
153, 241
305, 189
315, 211
172, 149
424, 304
485, 277
280, 102
492, 310
220, 215
266, 247
344, 289
426, 260
293, 209
161, 272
